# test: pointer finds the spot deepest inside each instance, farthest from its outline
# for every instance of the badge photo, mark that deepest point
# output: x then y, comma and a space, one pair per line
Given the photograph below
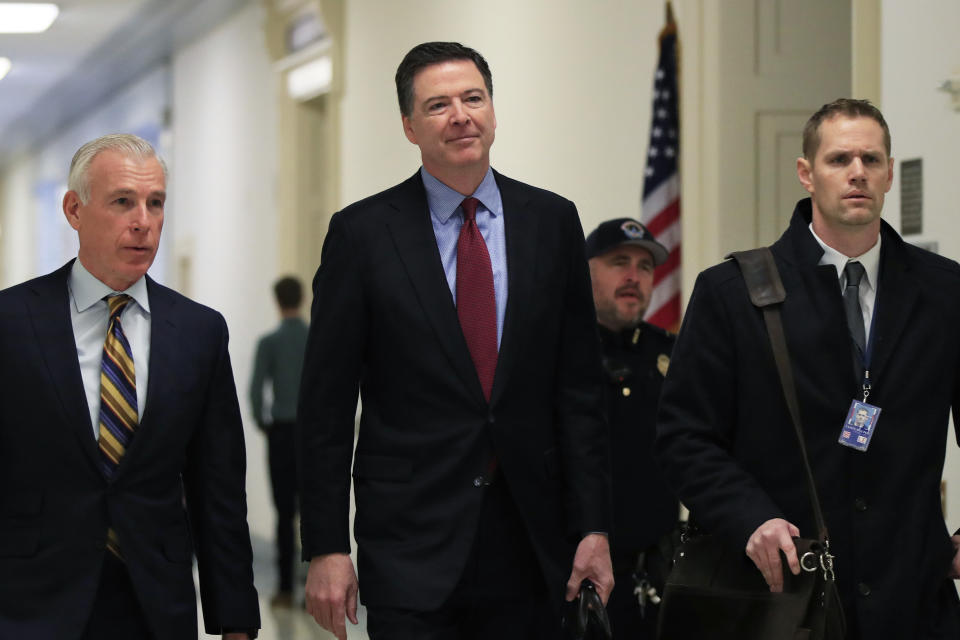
859, 426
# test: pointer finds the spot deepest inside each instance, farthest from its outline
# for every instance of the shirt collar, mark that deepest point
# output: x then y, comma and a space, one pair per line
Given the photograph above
88, 290
870, 260
444, 201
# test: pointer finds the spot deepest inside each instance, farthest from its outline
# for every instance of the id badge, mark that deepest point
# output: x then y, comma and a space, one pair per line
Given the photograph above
859, 426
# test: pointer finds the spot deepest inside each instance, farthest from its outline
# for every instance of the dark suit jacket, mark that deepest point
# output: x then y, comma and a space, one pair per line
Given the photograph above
384, 322
55, 503
727, 444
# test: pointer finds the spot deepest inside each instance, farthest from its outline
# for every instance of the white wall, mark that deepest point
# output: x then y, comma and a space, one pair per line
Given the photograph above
572, 87
16, 225
920, 51
222, 221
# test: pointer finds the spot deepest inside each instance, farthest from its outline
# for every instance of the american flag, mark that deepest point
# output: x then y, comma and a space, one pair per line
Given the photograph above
661, 185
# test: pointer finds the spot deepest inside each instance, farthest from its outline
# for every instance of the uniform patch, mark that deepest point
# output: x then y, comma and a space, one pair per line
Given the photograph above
663, 363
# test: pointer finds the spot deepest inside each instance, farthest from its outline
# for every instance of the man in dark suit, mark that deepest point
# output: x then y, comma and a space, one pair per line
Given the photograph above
458, 304
870, 322
117, 408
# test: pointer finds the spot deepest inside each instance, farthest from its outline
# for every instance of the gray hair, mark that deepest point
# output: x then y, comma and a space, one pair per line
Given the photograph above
126, 144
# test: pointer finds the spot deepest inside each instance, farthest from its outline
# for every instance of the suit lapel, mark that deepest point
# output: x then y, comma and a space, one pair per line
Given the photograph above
416, 244
49, 311
521, 232
897, 296
814, 309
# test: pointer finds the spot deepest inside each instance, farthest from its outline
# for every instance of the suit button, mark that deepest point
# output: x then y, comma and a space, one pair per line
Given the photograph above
863, 588
491, 419
860, 504
478, 481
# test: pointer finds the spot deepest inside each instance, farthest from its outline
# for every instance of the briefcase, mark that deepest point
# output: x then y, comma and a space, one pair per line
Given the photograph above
715, 592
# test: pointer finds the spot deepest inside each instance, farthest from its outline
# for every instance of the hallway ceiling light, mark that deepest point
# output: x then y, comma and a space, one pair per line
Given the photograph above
4, 66
24, 17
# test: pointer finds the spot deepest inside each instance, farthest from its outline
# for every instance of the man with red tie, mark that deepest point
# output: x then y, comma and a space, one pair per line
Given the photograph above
458, 305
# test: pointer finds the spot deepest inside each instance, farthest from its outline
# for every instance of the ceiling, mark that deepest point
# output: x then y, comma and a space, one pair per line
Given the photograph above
92, 49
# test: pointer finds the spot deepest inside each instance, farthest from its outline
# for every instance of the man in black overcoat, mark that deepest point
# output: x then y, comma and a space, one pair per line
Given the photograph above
870, 321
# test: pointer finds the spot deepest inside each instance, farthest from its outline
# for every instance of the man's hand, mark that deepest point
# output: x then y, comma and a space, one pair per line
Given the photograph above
764, 547
592, 561
955, 568
331, 592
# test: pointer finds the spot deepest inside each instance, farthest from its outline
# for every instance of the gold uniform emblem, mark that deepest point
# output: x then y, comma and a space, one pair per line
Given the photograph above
663, 363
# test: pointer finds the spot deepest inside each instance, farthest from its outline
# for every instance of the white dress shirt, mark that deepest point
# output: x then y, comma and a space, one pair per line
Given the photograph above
868, 284
90, 314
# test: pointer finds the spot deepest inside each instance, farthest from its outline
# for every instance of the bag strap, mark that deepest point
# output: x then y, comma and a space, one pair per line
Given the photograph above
766, 292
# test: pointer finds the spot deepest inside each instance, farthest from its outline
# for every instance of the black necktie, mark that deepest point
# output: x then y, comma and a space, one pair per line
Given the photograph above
851, 302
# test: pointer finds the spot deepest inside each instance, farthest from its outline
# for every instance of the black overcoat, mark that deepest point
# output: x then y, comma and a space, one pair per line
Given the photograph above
727, 444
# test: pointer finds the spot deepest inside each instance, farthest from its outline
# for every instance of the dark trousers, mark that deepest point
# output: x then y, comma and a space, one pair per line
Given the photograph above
282, 459
116, 613
501, 593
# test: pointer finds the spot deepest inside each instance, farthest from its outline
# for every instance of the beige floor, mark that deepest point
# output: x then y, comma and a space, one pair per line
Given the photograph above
286, 623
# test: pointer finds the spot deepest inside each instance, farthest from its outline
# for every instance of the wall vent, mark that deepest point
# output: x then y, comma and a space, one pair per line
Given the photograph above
911, 197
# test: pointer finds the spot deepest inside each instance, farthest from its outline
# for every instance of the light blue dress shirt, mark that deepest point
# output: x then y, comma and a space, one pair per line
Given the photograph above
89, 315
446, 215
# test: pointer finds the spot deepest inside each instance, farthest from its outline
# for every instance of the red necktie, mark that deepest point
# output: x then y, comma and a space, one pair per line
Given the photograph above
476, 300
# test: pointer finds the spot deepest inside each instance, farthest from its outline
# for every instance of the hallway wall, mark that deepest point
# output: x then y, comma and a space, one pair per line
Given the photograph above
920, 52
223, 235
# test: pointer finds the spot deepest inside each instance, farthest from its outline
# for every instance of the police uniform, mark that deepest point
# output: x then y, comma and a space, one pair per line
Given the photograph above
645, 510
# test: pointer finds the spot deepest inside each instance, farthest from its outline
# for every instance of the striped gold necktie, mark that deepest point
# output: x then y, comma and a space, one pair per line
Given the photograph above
118, 398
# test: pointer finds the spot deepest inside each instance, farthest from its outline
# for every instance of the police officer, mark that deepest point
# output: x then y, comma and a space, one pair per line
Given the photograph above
622, 255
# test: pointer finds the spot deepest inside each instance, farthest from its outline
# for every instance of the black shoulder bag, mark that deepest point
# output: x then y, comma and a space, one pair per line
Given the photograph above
714, 590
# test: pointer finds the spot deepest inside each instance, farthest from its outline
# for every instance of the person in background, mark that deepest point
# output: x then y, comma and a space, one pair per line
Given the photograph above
277, 364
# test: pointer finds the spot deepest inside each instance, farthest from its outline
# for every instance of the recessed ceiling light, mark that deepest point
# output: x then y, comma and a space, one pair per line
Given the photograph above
4, 66
27, 17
